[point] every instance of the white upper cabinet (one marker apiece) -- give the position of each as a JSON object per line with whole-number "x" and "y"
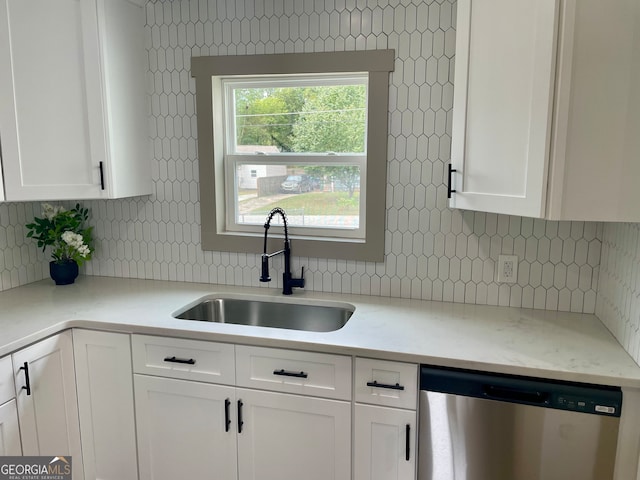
{"x": 72, "y": 90}
{"x": 547, "y": 109}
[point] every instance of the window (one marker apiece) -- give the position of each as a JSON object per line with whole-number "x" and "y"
{"x": 305, "y": 132}
{"x": 306, "y": 135}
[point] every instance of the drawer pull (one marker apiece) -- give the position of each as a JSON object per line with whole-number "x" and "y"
{"x": 375, "y": 384}
{"x": 284, "y": 373}
{"x": 27, "y": 387}
{"x": 190, "y": 361}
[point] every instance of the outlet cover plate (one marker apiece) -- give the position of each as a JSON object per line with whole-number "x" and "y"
{"x": 507, "y": 268}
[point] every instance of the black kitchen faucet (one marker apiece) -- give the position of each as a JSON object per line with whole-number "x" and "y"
{"x": 288, "y": 282}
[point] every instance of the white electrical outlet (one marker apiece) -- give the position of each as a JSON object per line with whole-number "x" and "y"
{"x": 507, "y": 268}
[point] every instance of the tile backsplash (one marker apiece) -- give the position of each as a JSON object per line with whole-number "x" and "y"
{"x": 21, "y": 262}
{"x": 431, "y": 252}
{"x": 618, "y": 304}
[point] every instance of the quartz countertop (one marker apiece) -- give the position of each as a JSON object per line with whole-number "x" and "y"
{"x": 556, "y": 345}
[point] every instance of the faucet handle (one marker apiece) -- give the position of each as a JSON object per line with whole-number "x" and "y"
{"x": 298, "y": 282}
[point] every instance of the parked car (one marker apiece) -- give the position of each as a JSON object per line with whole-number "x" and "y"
{"x": 296, "y": 184}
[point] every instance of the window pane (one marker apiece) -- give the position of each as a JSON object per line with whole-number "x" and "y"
{"x": 305, "y": 119}
{"x": 314, "y": 196}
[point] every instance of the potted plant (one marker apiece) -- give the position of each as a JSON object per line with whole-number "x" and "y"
{"x": 70, "y": 240}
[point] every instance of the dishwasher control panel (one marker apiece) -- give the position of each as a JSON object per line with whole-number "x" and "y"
{"x": 571, "y": 396}
{"x": 604, "y": 406}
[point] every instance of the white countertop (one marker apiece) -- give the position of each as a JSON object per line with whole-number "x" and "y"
{"x": 563, "y": 346}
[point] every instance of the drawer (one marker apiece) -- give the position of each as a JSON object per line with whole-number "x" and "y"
{"x": 7, "y": 389}
{"x": 391, "y": 384}
{"x": 306, "y": 373}
{"x": 180, "y": 358}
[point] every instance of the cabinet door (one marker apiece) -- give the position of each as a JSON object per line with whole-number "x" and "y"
{"x": 105, "y": 404}
{"x": 9, "y": 432}
{"x": 48, "y": 413}
{"x": 183, "y": 431}
{"x": 51, "y": 119}
{"x": 122, "y": 40}
{"x": 505, "y": 67}
{"x": 384, "y": 443}
{"x": 291, "y": 437}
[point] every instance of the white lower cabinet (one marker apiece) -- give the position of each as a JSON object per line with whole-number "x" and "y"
{"x": 156, "y": 408}
{"x": 385, "y": 445}
{"x": 105, "y": 404}
{"x": 46, "y": 398}
{"x": 9, "y": 431}
{"x": 184, "y": 429}
{"x": 290, "y": 437}
{"x": 190, "y": 428}
{"x": 385, "y": 422}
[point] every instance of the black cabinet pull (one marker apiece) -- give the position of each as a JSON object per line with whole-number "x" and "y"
{"x": 284, "y": 373}
{"x": 27, "y": 387}
{"x": 449, "y": 189}
{"x": 407, "y": 439}
{"x": 240, "y": 422}
{"x": 375, "y": 384}
{"x": 101, "y": 176}
{"x": 189, "y": 361}
{"x": 227, "y": 420}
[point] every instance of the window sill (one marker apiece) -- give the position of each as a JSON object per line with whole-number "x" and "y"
{"x": 319, "y": 247}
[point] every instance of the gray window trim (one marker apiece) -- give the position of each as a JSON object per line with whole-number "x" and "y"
{"x": 204, "y": 69}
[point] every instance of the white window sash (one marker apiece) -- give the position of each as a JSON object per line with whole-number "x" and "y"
{"x": 229, "y": 84}
{"x": 232, "y": 161}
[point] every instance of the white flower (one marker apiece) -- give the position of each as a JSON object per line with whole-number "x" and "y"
{"x": 49, "y": 211}
{"x": 76, "y": 241}
{"x": 71, "y": 238}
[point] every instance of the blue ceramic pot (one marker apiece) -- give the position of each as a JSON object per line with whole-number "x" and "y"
{"x": 63, "y": 273}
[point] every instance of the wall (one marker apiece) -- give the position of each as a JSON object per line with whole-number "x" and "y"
{"x": 618, "y": 304}
{"x": 21, "y": 262}
{"x": 432, "y": 252}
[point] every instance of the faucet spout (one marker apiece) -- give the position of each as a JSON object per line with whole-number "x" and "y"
{"x": 288, "y": 282}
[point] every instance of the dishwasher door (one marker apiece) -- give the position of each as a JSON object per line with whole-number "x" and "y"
{"x": 466, "y": 434}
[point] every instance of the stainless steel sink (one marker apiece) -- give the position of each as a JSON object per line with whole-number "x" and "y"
{"x": 260, "y": 313}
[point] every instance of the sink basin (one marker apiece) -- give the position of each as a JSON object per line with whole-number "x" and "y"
{"x": 261, "y": 313}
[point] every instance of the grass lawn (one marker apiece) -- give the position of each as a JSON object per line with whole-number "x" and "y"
{"x": 317, "y": 203}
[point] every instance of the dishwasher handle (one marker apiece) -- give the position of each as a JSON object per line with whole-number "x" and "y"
{"x": 494, "y": 392}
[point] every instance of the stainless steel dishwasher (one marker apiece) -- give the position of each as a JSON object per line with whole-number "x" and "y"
{"x": 475, "y": 426}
